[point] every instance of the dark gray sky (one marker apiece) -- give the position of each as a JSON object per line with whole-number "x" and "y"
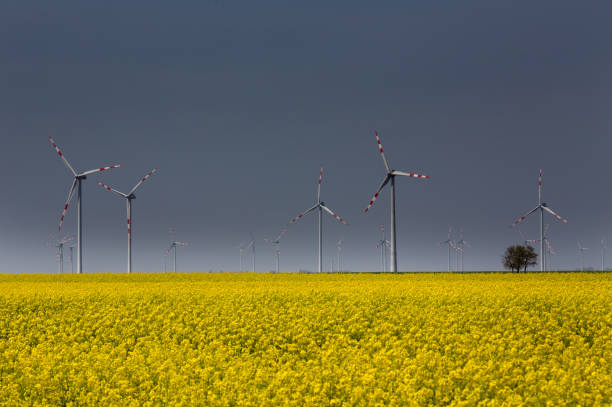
{"x": 239, "y": 102}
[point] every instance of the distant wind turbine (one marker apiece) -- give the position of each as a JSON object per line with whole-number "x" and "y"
{"x": 241, "y": 249}
{"x": 252, "y": 247}
{"x": 173, "y": 246}
{"x": 391, "y": 174}
{"x": 59, "y": 243}
{"x": 129, "y": 197}
{"x": 542, "y": 207}
{"x": 276, "y": 244}
{"x": 320, "y": 206}
{"x": 551, "y": 252}
{"x": 339, "y": 249}
{"x": 604, "y": 246}
{"x": 76, "y": 183}
{"x": 461, "y": 245}
{"x": 383, "y": 243}
{"x": 451, "y": 245}
{"x": 582, "y": 250}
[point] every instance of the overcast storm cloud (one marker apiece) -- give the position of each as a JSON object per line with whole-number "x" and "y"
{"x": 239, "y": 103}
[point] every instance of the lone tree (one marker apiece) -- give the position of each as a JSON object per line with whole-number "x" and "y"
{"x": 519, "y": 257}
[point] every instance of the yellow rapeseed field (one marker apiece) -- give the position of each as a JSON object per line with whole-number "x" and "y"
{"x": 296, "y": 339}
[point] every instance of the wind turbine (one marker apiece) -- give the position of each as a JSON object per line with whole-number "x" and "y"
{"x": 174, "y": 245}
{"x": 451, "y": 245}
{"x": 383, "y": 243}
{"x": 391, "y": 174}
{"x": 241, "y": 248}
{"x": 70, "y": 259}
{"x": 252, "y": 247}
{"x": 604, "y": 246}
{"x": 320, "y": 206}
{"x": 129, "y": 196}
{"x": 76, "y": 183}
{"x": 551, "y": 252}
{"x": 276, "y": 244}
{"x": 59, "y": 244}
{"x": 542, "y": 207}
{"x": 339, "y": 248}
{"x": 582, "y": 250}
{"x": 461, "y": 245}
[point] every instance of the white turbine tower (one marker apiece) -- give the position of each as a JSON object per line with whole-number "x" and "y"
{"x": 581, "y": 250}
{"x": 59, "y": 243}
{"x": 128, "y": 197}
{"x": 252, "y": 247}
{"x": 276, "y": 244}
{"x": 241, "y": 248}
{"x": 461, "y": 245}
{"x": 339, "y": 253}
{"x": 173, "y": 246}
{"x": 70, "y": 259}
{"x": 76, "y": 183}
{"x": 320, "y": 206}
{"x": 542, "y": 207}
{"x": 551, "y": 252}
{"x": 391, "y": 174}
{"x": 451, "y": 245}
{"x": 604, "y": 246}
{"x": 383, "y": 243}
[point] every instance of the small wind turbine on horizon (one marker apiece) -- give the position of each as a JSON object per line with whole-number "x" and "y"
{"x": 604, "y": 246}
{"x": 551, "y": 252}
{"x": 76, "y": 183}
{"x": 582, "y": 249}
{"x": 59, "y": 243}
{"x": 173, "y": 246}
{"x": 451, "y": 245}
{"x": 240, "y": 247}
{"x": 461, "y": 245}
{"x": 276, "y": 244}
{"x": 542, "y": 207}
{"x": 320, "y": 206}
{"x": 252, "y": 247}
{"x": 391, "y": 174}
{"x": 383, "y": 243}
{"x": 339, "y": 249}
{"x": 129, "y": 197}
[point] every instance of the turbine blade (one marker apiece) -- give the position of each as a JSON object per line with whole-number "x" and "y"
{"x": 550, "y": 249}
{"x": 522, "y": 218}
{"x": 521, "y": 233}
{"x": 111, "y": 189}
{"x": 547, "y": 209}
{"x": 142, "y": 180}
{"x": 62, "y": 157}
{"x": 301, "y": 215}
{"x": 281, "y": 235}
{"x": 100, "y": 169}
{"x": 338, "y": 218}
{"x": 70, "y": 195}
{"x": 319, "y": 186}
{"x": 409, "y": 174}
{"x": 382, "y": 185}
{"x": 382, "y": 153}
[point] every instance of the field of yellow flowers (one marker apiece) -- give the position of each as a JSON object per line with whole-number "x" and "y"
{"x": 297, "y": 339}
